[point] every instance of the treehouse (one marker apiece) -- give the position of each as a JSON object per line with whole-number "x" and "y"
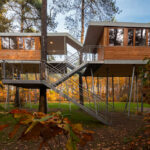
{"x": 111, "y": 49}
{"x": 23, "y": 50}
{"x": 120, "y": 46}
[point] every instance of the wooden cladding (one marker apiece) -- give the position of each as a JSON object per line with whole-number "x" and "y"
{"x": 20, "y": 51}
{"x": 20, "y": 55}
{"x": 126, "y": 52}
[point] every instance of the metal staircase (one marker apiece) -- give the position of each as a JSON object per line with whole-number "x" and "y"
{"x": 68, "y": 75}
{"x": 94, "y": 106}
{"x": 59, "y": 82}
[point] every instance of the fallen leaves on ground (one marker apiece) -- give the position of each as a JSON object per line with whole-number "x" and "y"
{"x": 50, "y": 127}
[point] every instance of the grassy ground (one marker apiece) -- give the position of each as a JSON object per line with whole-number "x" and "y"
{"x": 119, "y": 133}
{"x": 75, "y": 114}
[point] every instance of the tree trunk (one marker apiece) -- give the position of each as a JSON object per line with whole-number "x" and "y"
{"x": 82, "y": 22}
{"x": 82, "y": 40}
{"x": 17, "y": 98}
{"x": 22, "y": 17}
{"x": 42, "y": 101}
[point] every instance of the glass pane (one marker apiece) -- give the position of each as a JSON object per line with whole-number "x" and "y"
{"x": 140, "y": 37}
{"x": 5, "y": 43}
{"x": 116, "y": 37}
{"x": 13, "y": 43}
{"x": 148, "y": 37}
{"x": 32, "y": 43}
{"x": 130, "y": 37}
{"x": 29, "y": 44}
{"x": 20, "y": 43}
{"x": 119, "y": 39}
{"x": 111, "y": 37}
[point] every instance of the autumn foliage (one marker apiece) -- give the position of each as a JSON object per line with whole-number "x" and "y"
{"x": 49, "y": 126}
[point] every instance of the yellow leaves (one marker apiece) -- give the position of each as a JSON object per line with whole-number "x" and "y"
{"x": 38, "y": 115}
{"x": 69, "y": 145}
{"x": 49, "y": 126}
{"x": 30, "y": 127}
{"x": 77, "y": 127}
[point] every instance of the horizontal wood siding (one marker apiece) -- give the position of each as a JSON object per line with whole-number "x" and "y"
{"x": 126, "y": 52}
{"x": 17, "y": 54}
{"x": 20, "y": 55}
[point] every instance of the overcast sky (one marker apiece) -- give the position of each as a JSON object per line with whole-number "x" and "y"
{"x": 132, "y": 11}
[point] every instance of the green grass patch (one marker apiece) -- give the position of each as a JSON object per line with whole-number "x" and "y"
{"x": 120, "y": 106}
{"x": 74, "y": 113}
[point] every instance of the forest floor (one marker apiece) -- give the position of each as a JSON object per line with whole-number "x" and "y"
{"x": 120, "y": 135}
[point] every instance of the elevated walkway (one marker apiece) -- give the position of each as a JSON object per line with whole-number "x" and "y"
{"x": 94, "y": 101}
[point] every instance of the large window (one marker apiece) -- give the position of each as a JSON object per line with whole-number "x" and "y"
{"x": 130, "y": 37}
{"x": 18, "y": 43}
{"x": 140, "y": 37}
{"x": 9, "y": 43}
{"x": 116, "y": 37}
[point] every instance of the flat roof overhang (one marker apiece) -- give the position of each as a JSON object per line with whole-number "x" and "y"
{"x": 95, "y": 30}
{"x": 116, "y": 68}
{"x": 56, "y": 42}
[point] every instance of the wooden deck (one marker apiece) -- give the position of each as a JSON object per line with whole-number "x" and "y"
{"x": 30, "y": 84}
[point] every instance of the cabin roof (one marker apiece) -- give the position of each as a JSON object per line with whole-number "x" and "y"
{"x": 120, "y": 24}
{"x": 59, "y": 40}
{"x": 95, "y": 29}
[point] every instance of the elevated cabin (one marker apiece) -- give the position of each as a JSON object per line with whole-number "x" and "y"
{"x": 125, "y": 44}
{"x": 25, "y": 49}
{"x": 111, "y": 49}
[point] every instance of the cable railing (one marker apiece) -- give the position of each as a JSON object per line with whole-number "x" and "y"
{"x": 94, "y": 102}
{"x": 86, "y": 93}
{"x": 54, "y": 76}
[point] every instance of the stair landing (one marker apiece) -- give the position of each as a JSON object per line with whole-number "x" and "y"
{"x": 31, "y": 84}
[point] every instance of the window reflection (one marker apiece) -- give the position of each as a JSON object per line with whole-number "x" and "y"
{"x": 140, "y": 37}
{"x": 5, "y": 43}
{"x": 29, "y": 43}
{"x": 13, "y": 43}
{"x": 130, "y": 37}
{"x": 20, "y": 43}
{"x": 116, "y": 37}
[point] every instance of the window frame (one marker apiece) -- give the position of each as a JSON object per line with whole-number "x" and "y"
{"x": 17, "y": 44}
{"x": 109, "y": 36}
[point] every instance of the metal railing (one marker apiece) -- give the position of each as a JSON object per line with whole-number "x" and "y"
{"x": 11, "y": 71}
{"x": 94, "y": 102}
